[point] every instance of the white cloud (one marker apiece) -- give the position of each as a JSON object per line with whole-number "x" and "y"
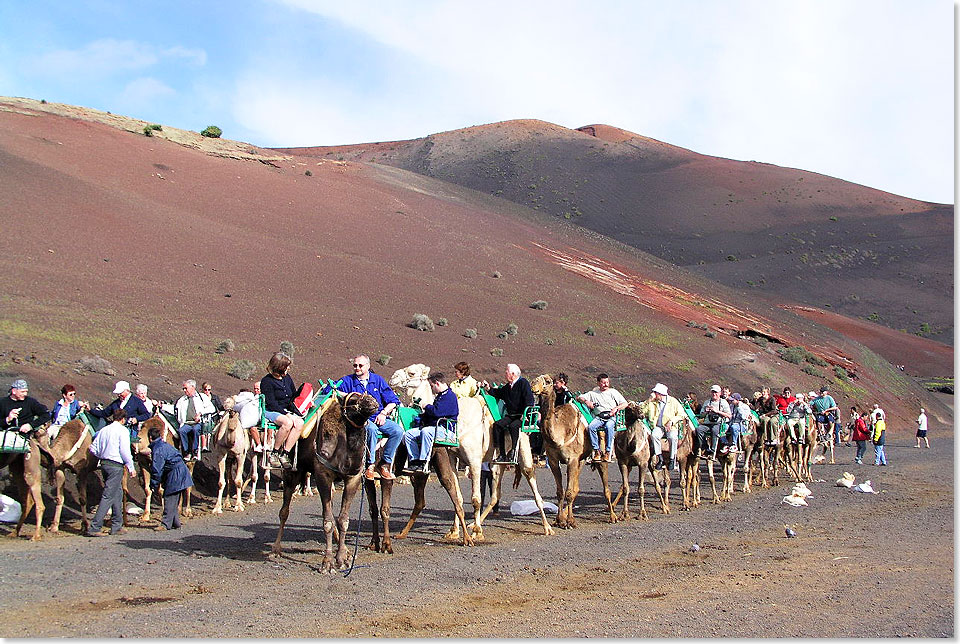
{"x": 143, "y": 92}
{"x": 860, "y": 90}
{"x": 196, "y": 57}
{"x": 110, "y": 57}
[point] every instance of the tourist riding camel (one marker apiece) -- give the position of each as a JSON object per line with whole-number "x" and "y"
{"x": 604, "y": 402}
{"x": 279, "y": 393}
{"x": 517, "y": 396}
{"x": 666, "y": 416}
{"x": 437, "y": 421}
{"x": 132, "y": 407}
{"x": 713, "y": 412}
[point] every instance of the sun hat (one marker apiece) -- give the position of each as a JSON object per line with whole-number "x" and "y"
{"x": 715, "y": 388}
{"x": 122, "y": 385}
{"x": 660, "y": 388}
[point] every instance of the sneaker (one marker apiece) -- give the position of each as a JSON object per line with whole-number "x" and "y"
{"x": 120, "y": 531}
{"x": 658, "y": 462}
{"x": 97, "y": 534}
{"x": 160, "y": 528}
{"x": 608, "y": 457}
{"x": 258, "y": 448}
{"x": 596, "y": 455}
{"x": 273, "y": 460}
{"x": 369, "y": 473}
{"x": 385, "y": 473}
{"x": 285, "y": 462}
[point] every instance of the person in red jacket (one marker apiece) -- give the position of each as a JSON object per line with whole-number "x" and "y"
{"x": 784, "y": 401}
{"x": 860, "y": 434}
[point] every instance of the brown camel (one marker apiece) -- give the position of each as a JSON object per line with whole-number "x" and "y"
{"x": 565, "y": 441}
{"x": 442, "y": 460}
{"x": 26, "y": 472}
{"x": 750, "y": 446}
{"x": 688, "y": 460}
{"x": 632, "y": 447}
{"x": 229, "y": 439}
{"x": 333, "y": 449}
{"x": 771, "y": 456}
{"x": 70, "y": 450}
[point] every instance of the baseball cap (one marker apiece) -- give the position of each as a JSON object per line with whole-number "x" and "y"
{"x": 715, "y": 388}
{"x": 824, "y": 389}
{"x": 660, "y": 388}
{"x": 19, "y": 383}
{"x": 122, "y": 385}
{"x": 737, "y": 397}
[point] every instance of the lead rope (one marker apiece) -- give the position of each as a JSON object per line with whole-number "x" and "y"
{"x": 356, "y": 538}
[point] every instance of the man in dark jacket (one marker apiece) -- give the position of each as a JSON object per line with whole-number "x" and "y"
{"x": 21, "y": 412}
{"x": 517, "y": 396}
{"x": 435, "y": 421}
{"x": 168, "y": 469}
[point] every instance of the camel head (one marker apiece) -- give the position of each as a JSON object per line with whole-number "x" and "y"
{"x": 228, "y": 403}
{"x": 541, "y": 384}
{"x": 632, "y": 413}
{"x": 357, "y": 409}
{"x": 410, "y": 376}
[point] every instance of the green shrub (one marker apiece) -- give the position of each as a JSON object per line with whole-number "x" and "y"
{"x": 384, "y": 360}
{"x": 841, "y": 373}
{"x": 442, "y": 322}
{"x": 287, "y": 347}
{"x": 242, "y": 369}
{"x": 549, "y": 342}
{"x": 421, "y": 322}
{"x": 212, "y": 132}
{"x": 308, "y": 173}
{"x": 225, "y": 346}
{"x": 512, "y": 329}
{"x": 502, "y": 335}
{"x": 497, "y": 275}
{"x": 590, "y": 331}
{"x": 470, "y": 333}
{"x": 538, "y": 305}
{"x": 496, "y": 352}
{"x": 813, "y": 371}
{"x": 148, "y": 130}
{"x": 793, "y": 355}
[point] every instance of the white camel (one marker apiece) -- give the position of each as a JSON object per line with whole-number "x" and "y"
{"x": 230, "y": 439}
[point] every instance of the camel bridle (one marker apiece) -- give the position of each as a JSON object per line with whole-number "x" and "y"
{"x": 351, "y": 404}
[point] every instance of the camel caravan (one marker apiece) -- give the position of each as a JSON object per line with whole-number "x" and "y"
{"x": 363, "y": 431}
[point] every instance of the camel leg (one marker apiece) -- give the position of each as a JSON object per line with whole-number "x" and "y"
{"x": 448, "y": 479}
{"x": 59, "y": 478}
{"x": 82, "y": 472}
{"x": 530, "y": 473}
{"x": 147, "y": 493}
{"x": 238, "y": 482}
{"x": 573, "y": 490}
{"x": 350, "y": 487}
{"x": 254, "y": 479}
{"x": 496, "y": 471}
{"x": 386, "y": 493}
{"x": 641, "y": 489}
{"x": 308, "y": 485}
{"x": 28, "y": 476}
{"x": 221, "y": 484}
{"x": 624, "y": 492}
{"x": 561, "y": 520}
{"x": 266, "y": 486}
{"x": 419, "y": 501}
{"x": 370, "y": 489}
{"x": 185, "y": 509}
{"x": 327, "y": 525}
{"x": 603, "y": 471}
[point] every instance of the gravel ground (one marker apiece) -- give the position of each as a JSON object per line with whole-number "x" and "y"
{"x": 861, "y": 566}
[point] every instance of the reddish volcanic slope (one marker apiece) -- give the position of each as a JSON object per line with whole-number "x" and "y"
{"x": 798, "y": 235}
{"x": 151, "y": 251}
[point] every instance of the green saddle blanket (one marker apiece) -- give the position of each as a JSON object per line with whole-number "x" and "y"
{"x": 13, "y": 442}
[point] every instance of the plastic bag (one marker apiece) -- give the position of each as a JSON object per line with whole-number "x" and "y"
{"x": 9, "y": 509}
{"x": 529, "y": 506}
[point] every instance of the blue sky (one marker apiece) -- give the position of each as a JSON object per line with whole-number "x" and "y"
{"x": 862, "y": 90}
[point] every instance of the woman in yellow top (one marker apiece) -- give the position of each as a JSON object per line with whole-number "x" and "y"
{"x": 879, "y": 440}
{"x": 464, "y": 385}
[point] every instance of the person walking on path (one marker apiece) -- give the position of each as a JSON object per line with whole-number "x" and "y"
{"x": 880, "y": 440}
{"x": 168, "y": 469}
{"x": 860, "y": 434}
{"x": 922, "y": 429}
{"x": 112, "y": 446}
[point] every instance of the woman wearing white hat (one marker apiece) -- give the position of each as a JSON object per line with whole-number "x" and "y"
{"x": 665, "y": 416}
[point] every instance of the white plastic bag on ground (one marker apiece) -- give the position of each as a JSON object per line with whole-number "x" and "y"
{"x": 818, "y": 459}
{"x": 529, "y": 506}
{"x": 865, "y": 488}
{"x": 801, "y": 490}
{"x": 794, "y": 500}
{"x": 134, "y": 509}
{"x": 846, "y": 480}
{"x": 9, "y": 509}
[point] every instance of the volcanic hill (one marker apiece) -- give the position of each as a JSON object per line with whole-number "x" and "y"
{"x": 798, "y": 236}
{"x": 152, "y": 252}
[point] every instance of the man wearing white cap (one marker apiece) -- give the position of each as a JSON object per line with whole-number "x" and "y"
{"x": 134, "y": 408}
{"x": 712, "y": 414}
{"x": 665, "y": 416}
{"x": 922, "y": 429}
{"x": 20, "y": 411}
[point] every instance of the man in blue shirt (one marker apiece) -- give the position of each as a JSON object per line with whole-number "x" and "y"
{"x": 827, "y": 414}
{"x": 362, "y": 380}
{"x": 419, "y": 440}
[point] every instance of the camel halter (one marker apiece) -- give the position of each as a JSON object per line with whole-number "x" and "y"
{"x": 346, "y": 405}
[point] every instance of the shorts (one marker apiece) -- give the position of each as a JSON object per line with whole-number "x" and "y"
{"x": 272, "y": 415}
{"x": 921, "y": 433}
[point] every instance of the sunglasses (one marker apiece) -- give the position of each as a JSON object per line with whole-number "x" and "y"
{"x": 358, "y": 365}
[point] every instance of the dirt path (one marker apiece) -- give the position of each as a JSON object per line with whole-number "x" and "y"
{"x": 862, "y": 565}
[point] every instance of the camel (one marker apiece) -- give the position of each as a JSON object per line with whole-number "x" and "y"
{"x": 70, "y": 450}
{"x": 688, "y": 460}
{"x": 26, "y": 472}
{"x": 565, "y": 441}
{"x": 632, "y": 447}
{"x": 771, "y": 455}
{"x": 229, "y": 439}
{"x": 749, "y": 446}
{"x": 799, "y": 455}
{"x": 333, "y": 449}
{"x": 474, "y": 435}
{"x": 411, "y": 381}
{"x": 825, "y": 433}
